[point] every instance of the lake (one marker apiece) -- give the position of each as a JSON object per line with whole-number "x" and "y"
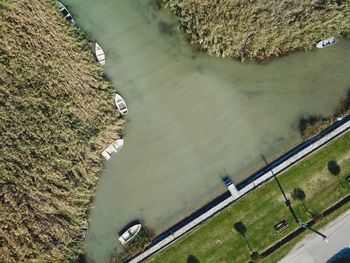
{"x": 193, "y": 118}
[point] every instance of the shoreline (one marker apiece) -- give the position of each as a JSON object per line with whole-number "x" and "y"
{"x": 196, "y": 210}
{"x": 94, "y": 164}
{"x": 278, "y": 166}
{"x": 53, "y": 133}
{"x": 243, "y": 31}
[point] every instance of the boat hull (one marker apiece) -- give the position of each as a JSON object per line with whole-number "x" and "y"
{"x": 65, "y": 13}
{"x": 112, "y": 149}
{"x": 326, "y": 43}
{"x": 129, "y": 234}
{"x": 100, "y": 54}
{"x": 121, "y": 105}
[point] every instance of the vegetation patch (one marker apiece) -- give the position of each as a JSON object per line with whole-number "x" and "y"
{"x": 242, "y": 231}
{"x": 259, "y": 30}
{"x": 312, "y": 125}
{"x": 136, "y": 245}
{"x": 56, "y": 114}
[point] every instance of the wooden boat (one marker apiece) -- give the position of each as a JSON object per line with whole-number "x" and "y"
{"x": 65, "y": 13}
{"x": 121, "y": 105}
{"x": 129, "y": 234}
{"x": 100, "y": 54}
{"x": 327, "y": 42}
{"x": 85, "y": 228}
{"x": 112, "y": 149}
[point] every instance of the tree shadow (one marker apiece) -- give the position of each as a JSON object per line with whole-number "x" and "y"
{"x": 242, "y": 230}
{"x": 192, "y": 259}
{"x": 334, "y": 169}
{"x": 298, "y": 194}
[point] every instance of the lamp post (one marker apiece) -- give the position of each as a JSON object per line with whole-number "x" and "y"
{"x": 304, "y": 225}
{"x": 289, "y": 205}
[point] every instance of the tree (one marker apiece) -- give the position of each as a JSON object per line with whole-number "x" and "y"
{"x": 334, "y": 169}
{"x": 192, "y": 259}
{"x": 242, "y": 230}
{"x": 299, "y": 194}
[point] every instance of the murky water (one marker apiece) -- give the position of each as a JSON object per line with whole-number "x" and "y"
{"x": 193, "y": 118}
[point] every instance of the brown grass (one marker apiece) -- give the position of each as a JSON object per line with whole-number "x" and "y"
{"x": 258, "y": 30}
{"x": 56, "y": 114}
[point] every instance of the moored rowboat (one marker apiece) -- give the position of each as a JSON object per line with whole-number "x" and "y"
{"x": 100, "y": 54}
{"x": 129, "y": 234}
{"x": 327, "y": 42}
{"x": 121, "y": 105}
{"x": 65, "y": 13}
{"x": 112, "y": 149}
{"x": 85, "y": 229}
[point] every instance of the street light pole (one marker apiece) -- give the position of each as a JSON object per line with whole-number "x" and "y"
{"x": 287, "y": 202}
{"x": 289, "y": 205}
{"x": 304, "y": 225}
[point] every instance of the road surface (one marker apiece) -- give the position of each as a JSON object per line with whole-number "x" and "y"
{"x": 312, "y": 249}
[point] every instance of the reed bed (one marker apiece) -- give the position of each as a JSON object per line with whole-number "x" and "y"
{"x": 56, "y": 114}
{"x": 260, "y": 30}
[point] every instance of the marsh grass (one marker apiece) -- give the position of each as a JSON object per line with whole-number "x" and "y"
{"x": 260, "y": 210}
{"x": 5, "y": 4}
{"x": 259, "y": 30}
{"x": 56, "y": 114}
{"x": 312, "y": 125}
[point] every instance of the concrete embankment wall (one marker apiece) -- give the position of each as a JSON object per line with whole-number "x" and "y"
{"x": 276, "y": 167}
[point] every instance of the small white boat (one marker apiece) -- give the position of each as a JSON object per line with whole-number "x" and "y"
{"x": 327, "y": 42}
{"x": 129, "y": 234}
{"x": 121, "y": 105}
{"x": 65, "y": 13}
{"x": 85, "y": 228}
{"x": 100, "y": 54}
{"x": 112, "y": 149}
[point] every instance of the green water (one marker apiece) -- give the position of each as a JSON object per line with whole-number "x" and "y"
{"x": 193, "y": 118}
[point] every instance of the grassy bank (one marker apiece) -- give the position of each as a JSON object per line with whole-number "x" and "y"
{"x": 217, "y": 241}
{"x": 260, "y": 29}
{"x": 56, "y": 114}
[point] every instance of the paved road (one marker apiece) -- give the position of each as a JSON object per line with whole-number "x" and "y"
{"x": 313, "y": 249}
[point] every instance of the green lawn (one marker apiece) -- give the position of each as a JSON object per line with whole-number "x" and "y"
{"x": 217, "y": 241}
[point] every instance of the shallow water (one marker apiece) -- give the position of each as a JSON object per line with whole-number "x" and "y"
{"x": 193, "y": 118}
